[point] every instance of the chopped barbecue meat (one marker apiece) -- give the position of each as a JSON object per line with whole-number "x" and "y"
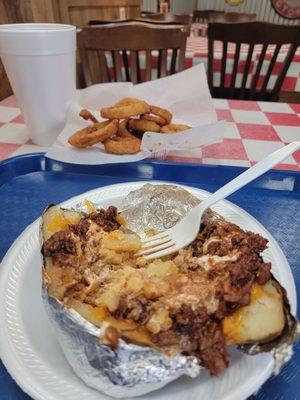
{"x": 212, "y": 348}
{"x": 218, "y": 248}
{"x": 238, "y": 239}
{"x": 106, "y": 219}
{"x": 61, "y": 242}
{"x": 263, "y": 273}
{"x": 206, "y": 340}
{"x": 81, "y": 228}
{"x": 249, "y": 239}
{"x": 165, "y": 339}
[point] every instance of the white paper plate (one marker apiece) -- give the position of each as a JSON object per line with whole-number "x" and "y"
{"x": 32, "y": 355}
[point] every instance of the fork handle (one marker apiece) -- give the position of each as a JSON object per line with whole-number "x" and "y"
{"x": 250, "y": 174}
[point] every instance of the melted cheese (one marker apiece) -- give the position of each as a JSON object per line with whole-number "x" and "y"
{"x": 121, "y": 241}
{"x": 58, "y": 223}
{"x": 89, "y": 205}
{"x": 121, "y": 220}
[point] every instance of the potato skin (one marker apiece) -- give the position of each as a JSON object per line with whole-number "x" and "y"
{"x": 259, "y": 321}
{"x": 288, "y": 335}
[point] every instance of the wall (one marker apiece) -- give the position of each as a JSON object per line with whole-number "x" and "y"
{"x": 262, "y": 8}
{"x": 149, "y": 5}
{"x": 183, "y": 7}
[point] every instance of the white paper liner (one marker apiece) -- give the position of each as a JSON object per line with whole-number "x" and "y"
{"x": 185, "y": 94}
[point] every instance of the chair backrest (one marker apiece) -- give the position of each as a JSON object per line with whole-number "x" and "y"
{"x": 97, "y": 22}
{"x": 185, "y": 19}
{"x": 231, "y": 17}
{"x": 203, "y": 15}
{"x": 253, "y": 34}
{"x": 146, "y": 13}
{"x": 115, "y": 52}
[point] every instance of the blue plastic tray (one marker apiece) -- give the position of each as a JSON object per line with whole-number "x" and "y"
{"x": 29, "y": 183}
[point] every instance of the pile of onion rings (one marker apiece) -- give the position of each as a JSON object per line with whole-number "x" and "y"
{"x": 124, "y": 126}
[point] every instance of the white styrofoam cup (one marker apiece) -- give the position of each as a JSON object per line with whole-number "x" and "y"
{"x": 40, "y": 62}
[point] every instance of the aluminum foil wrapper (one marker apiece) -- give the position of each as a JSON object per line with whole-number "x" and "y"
{"x": 131, "y": 370}
{"x": 159, "y": 207}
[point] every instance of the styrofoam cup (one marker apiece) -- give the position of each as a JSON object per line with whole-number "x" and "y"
{"x": 40, "y": 62}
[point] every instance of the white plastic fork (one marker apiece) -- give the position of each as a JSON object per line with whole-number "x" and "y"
{"x": 183, "y": 233}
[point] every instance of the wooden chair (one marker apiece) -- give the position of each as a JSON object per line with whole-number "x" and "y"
{"x": 144, "y": 14}
{"x": 126, "y": 21}
{"x": 127, "y": 44}
{"x": 231, "y": 17}
{"x": 251, "y": 33}
{"x": 184, "y": 19}
{"x": 203, "y": 15}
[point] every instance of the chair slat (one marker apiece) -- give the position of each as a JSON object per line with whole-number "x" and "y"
{"x": 270, "y": 68}
{"x": 138, "y": 67}
{"x": 284, "y": 70}
{"x": 257, "y": 71}
{"x": 126, "y": 65}
{"x": 223, "y": 65}
{"x": 159, "y": 64}
{"x": 210, "y": 70}
{"x": 163, "y": 68}
{"x": 85, "y": 66}
{"x": 117, "y": 65}
{"x": 235, "y": 67}
{"x": 94, "y": 67}
{"x": 103, "y": 66}
{"x": 148, "y": 65}
{"x": 181, "y": 59}
{"x": 133, "y": 67}
{"x": 246, "y": 70}
{"x": 173, "y": 61}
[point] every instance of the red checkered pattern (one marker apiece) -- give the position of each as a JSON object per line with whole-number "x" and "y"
{"x": 197, "y": 51}
{"x": 291, "y": 81}
{"x": 254, "y": 130}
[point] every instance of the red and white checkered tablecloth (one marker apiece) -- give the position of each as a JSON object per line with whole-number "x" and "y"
{"x": 255, "y": 129}
{"x": 197, "y": 52}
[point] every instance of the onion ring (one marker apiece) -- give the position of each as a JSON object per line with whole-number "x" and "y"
{"x": 141, "y": 126}
{"x": 87, "y": 115}
{"x": 162, "y": 112}
{"x": 154, "y": 118}
{"x": 125, "y": 111}
{"x": 93, "y": 134}
{"x": 123, "y": 131}
{"x": 174, "y": 128}
{"x": 126, "y": 101}
{"x": 122, "y": 145}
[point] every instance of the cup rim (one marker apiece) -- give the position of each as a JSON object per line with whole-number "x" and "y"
{"x": 24, "y": 28}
